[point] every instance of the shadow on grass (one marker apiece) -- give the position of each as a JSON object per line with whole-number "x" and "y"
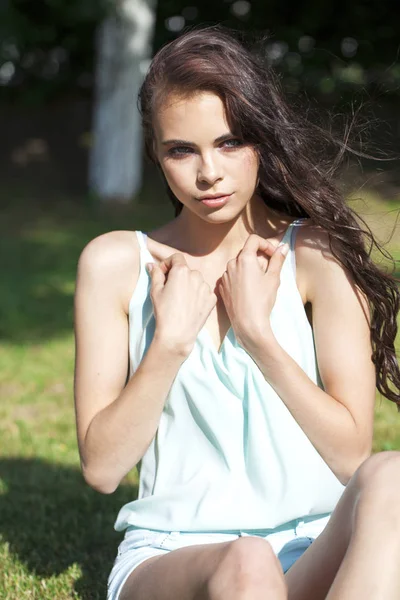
{"x": 52, "y": 519}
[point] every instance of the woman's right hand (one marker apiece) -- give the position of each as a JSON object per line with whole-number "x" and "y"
{"x": 182, "y": 301}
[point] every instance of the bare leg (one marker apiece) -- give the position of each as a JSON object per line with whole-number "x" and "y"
{"x": 245, "y": 569}
{"x": 357, "y": 554}
{"x": 370, "y": 567}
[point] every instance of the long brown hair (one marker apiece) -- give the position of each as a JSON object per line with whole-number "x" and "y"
{"x": 293, "y": 179}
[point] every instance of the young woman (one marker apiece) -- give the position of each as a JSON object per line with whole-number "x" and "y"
{"x": 233, "y": 354}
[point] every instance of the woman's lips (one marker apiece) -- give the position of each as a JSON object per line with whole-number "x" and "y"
{"x": 216, "y": 202}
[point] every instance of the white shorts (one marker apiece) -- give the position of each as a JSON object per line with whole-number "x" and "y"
{"x": 140, "y": 544}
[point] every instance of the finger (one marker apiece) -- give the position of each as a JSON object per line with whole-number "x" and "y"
{"x": 175, "y": 259}
{"x": 256, "y": 243}
{"x": 277, "y": 259}
{"x": 258, "y": 248}
{"x": 220, "y": 287}
{"x": 157, "y": 276}
{"x": 230, "y": 265}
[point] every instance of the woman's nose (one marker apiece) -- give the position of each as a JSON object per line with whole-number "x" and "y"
{"x": 209, "y": 171}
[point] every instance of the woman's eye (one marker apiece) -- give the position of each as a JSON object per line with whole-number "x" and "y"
{"x": 233, "y": 143}
{"x": 179, "y": 151}
{"x": 182, "y": 151}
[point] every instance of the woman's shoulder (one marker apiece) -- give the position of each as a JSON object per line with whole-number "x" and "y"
{"x": 315, "y": 261}
{"x": 112, "y": 246}
{"x": 111, "y": 259}
{"x": 313, "y": 242}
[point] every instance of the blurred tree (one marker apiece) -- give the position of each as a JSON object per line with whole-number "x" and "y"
{"x": 123, "y": 52}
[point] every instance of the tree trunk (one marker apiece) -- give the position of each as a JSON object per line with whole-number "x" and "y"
{"x": 123, "y": 55}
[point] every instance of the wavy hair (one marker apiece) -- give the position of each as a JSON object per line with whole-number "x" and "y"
{"x": 293, "y": 177}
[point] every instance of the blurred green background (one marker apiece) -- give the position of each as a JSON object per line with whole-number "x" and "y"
{"x": 56, "y": 534}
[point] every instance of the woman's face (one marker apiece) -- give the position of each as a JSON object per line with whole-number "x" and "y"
{"x": 200, "y": 156}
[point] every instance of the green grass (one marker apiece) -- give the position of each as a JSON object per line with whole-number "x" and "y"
{"x": 56, "y": 534}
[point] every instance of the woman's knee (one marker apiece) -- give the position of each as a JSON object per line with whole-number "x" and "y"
{"x": 380, "y": 471}
{"x": 248, "y": 563}
{"x": 377, "y": 483}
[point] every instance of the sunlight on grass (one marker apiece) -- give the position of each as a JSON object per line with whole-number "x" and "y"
{"x": 17, "y": 582}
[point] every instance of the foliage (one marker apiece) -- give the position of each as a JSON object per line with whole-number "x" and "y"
{"x": 48, "y": 45}
{"x": 326, "y": 47}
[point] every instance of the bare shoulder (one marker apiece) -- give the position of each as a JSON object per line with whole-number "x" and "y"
{"x": 108, "y": 249}
{"x": 308, "y": 241}
{"x": 318, "y": 268}
{"x": 111, "y": 259}
{"x": 312, "y": 241}
{"x": 313, "y": 255}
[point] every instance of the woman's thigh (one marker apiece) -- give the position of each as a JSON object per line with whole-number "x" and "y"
{"x": 182, "y": 573}
{"x": 201, "y": 571}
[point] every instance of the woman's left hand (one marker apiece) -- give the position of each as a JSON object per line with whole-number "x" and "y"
{"x": 249, "y": 287}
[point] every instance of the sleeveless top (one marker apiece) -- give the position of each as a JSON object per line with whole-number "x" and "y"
{"x": 228, "y": 455}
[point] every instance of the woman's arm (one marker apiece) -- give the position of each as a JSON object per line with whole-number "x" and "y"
{"x": 115, "y": 424}
{"x": 339, "y": 420}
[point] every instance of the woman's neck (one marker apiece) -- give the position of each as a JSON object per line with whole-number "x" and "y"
{"x": 201, "y": 238}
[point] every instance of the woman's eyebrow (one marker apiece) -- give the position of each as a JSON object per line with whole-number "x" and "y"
{"x": 218, "y": 140}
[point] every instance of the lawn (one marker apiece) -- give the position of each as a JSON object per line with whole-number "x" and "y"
{"x": 56, "y": 534}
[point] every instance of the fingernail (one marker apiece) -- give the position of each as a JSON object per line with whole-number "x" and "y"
{"x": 149, "y": 267}
{"x": 284, "y": 249}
